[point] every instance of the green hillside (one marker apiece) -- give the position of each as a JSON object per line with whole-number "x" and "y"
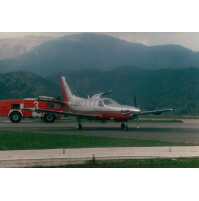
{"x": 166, "y": 88}
{"x": 23, "y": 84}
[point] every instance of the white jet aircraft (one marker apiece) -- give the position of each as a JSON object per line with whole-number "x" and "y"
{"x": 94, "y": 108}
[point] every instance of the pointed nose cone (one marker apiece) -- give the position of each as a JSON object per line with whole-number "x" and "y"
{"x": 134, "y": 110}
{"x": 131, "y": 109}
{"x": 137, "y": 110}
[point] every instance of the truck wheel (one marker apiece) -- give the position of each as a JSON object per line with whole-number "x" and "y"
{"x": 49, "y": 118}
{"x": 15, "y": 117}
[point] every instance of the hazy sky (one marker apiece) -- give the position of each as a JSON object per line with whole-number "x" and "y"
{"x": 186, "y": 39}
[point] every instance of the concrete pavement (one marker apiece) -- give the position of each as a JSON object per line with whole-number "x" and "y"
{"x": 57, "y": 157}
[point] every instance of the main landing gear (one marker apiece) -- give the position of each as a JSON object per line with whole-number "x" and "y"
{"x": 124, "y": 126}
{"x": 78, "y": 125}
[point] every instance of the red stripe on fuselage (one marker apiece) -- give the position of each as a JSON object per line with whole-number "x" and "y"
{"x": 103, "y": 116}
{"x": 115, "y": 116}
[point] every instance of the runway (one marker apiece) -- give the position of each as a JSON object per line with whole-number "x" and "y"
{"x": 174, "y": 132}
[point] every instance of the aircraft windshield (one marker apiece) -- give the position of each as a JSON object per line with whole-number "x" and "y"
{"x": 109, "y": 102}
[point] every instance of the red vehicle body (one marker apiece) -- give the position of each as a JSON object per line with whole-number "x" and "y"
{"x": 13, "y": 109}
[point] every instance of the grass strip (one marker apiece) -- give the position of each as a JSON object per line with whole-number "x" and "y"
{"x": 145, "y": 163}
{"x": 27, "y": 141}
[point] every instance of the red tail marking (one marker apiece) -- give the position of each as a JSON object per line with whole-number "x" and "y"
{"x": 63, "y": 90}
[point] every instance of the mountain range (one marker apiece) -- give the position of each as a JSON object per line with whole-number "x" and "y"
{"x": 12, "y": 47}
{"x": 96, "y": 51}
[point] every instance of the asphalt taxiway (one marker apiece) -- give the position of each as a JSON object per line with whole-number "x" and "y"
{"x": 173, "y": 132}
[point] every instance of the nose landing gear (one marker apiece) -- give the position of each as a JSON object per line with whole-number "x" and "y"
{"x": 137, "y": 123}
{"x": 126, "y": 128}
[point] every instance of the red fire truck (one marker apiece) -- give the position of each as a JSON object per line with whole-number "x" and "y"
{"x": 13, "y": 109}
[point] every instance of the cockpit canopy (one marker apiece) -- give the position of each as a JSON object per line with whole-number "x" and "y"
{"x": 107, "y": 101}
{"x": 110, "y": 102}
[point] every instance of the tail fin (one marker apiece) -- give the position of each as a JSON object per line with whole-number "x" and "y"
{"x": 68, "y": 95}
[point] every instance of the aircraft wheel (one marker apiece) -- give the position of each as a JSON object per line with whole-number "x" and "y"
{"x": 15, "y": 117}
{"x": 49, "y": 118}
{"x": 126, "y": 128}
{"x": 122, "y": 125}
